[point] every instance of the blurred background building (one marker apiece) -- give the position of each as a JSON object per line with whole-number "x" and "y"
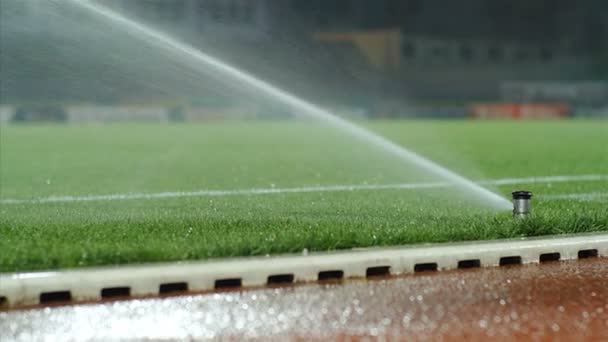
{"x": 435, "y": 57}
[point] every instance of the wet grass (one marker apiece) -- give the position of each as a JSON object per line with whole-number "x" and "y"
{"x": 40, "y": 161}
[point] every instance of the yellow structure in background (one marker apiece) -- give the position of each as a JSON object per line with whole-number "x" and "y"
{"x": 380, "y": 47}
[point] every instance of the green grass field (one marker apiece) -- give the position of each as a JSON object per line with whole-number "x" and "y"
{"x": 40, "y": 161}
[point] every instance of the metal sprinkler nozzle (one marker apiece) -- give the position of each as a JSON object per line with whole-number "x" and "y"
{"x": 521, "y": 203}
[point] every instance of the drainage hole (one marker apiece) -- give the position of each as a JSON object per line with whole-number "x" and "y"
{"x": 228, "y": 283}
{"x": 330, "y": 275}
{"x": 172, "y": 287}
{"x": 280, "y": 279}
{"x": 510, "y": 260}
{"x": 111, "y": 292}
{"x": 587, "y": 253}
{"x": 549, "y": 257}
{"x": 55, "y": 297}
{"x": 472, "y": 263}
{"x": 378, "y": 271}
{"x": 3, "y": 301}
{"x": 431, "y": 266}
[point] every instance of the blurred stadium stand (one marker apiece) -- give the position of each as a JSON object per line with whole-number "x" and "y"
{"x": 385, "y": 58}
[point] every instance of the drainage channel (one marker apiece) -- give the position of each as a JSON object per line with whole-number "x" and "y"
{"x": 90, "y": 284}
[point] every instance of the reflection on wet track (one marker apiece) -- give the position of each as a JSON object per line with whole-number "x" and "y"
{"x": 554, "y": 299}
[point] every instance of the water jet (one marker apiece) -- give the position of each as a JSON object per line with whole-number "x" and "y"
{"x": 207, "y": 64}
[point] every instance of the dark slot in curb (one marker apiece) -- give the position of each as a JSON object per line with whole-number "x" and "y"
{"x": 547, "y": 257}
{"x": 472, "y": 263}
{"x": 3, "y": 301}
{"x": 431, "y": 266}
{"x": 112, "y": 292}
{"x": 378, "y": 271}
{"x": 510, "y": 260}
{"x": 172, "y": 287}
{"x": 587, "y": 253}
{"x": 55, "y": 297}
{"x": 331, "y": 275}
{"x": 228, "y": 283}
{"x": 280, "y": 279}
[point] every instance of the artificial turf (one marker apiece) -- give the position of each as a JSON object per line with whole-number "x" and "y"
{"x": 38, "y": 161}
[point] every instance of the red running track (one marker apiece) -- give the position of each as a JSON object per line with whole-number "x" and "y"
{"x": 552, "y": 301}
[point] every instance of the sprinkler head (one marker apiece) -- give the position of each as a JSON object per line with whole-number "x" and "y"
{"x": 521, "y": 203}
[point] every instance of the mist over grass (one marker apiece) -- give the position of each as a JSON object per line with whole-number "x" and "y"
{"x": 39, "y": 161}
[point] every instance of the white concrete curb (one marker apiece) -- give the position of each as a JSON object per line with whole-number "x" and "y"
{"x": 85, "y": 284}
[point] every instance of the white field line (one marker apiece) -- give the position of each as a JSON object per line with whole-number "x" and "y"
{"x": 331, "y": 188}
{"x": 590, "y": 196}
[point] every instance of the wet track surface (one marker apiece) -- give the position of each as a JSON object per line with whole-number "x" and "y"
{"x": 556, "y": 300}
